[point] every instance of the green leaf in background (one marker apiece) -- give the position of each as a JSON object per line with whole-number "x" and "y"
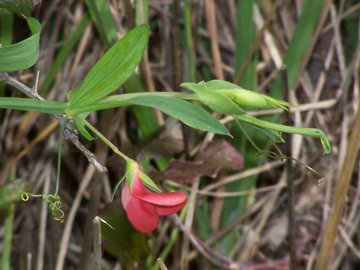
{"x": 24, "y": 54}
{"x": 186, "y": 112}
{"x": 10, "y": 192}
{"x": 299, "y": 44}
{"x": 6, "y": 26}
{"x": 63, "y": 54}
{"x": 245, "y": 40}
{"x": 103, "y": 20}
{"x": 6, "y": 29}
{"x": 123, "y": 242}
{"x": 32, "y": 105}
{"x": 145, "y": 116}
{"x": 106, "y": 27}
{"x": 113, "y": 68}
{"x": 19, "y": 7}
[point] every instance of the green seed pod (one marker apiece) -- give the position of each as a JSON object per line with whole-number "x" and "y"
{"x": 246, "y": 98}
{"x": 217, "y": 101}
{"x": 250, "y": 99}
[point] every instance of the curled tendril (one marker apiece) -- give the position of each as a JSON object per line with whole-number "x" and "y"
{"x": 55, "y": 206}
{"x": 53, "y": 201}
{"x": 24, "y": 196}
{"x": 280, "y": 156}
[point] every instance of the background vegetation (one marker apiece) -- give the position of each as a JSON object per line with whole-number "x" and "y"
{"x": 237, "y": 211}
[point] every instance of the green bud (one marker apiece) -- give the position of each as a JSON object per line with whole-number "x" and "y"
{"x": 132, "y": 171}
{"x": 231, "y": 99}
{"x": 246, "y": 98}
{"x": 250, "y": 99}
{"x": 216, "y": 101}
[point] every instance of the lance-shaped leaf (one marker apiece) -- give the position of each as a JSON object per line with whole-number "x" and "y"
{"x": 103, "y": 20}
{"x": 23, "y": 54}
{"x": 113, "y": 68}
{"x": 32, "y": 105}
{"x": 190, "y": 114}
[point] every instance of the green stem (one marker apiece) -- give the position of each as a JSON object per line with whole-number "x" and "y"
{"x": 60, "y": 144}
{"x": 189, "y": 41}
{"x": 173, "y": 237}
{"x": 8, "y": 232}
{"x": 8, "y": 226}
{"x": 106, "y": 141}
{"x": 313, "y": 132}
{"x": 122, "y": 100}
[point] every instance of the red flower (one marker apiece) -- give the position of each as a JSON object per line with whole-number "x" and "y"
{"x": 143, "y": 207}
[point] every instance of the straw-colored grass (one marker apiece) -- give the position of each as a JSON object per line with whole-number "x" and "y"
{"x": 235, "y": 220}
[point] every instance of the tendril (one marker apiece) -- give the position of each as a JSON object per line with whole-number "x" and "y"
{"x": 277, "y": 154}
{"x": 51, "y": 199}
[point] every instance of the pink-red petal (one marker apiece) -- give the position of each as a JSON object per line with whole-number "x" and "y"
{"x": 143, "y": 216}
{"x": 125, "y": 195}
{"x": 169, "y": 210}
{"x": 168, "y": 199}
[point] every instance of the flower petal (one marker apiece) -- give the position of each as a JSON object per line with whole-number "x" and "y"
{"x": 168, "y": 199}
{"x": 125, "y": 195}
{"x": 168, "y": 210}
{"x": 142, "y": 215}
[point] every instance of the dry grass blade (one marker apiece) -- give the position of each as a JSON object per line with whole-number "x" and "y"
{"x": 212, "y": 28}
{"x": 341, "y": 190}
{"x": 97, "y": 243}
{"x": 189, "y": 41}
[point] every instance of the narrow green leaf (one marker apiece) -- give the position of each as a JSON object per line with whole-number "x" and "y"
{"x": 19, "y": 7}
{"x": 186, "y": 112}
{"x": 106, "y": 27}
{"x": 82, "y": 129}
{"x": 113, "y": 68}
{"x": 32, "y": 105}
{"x": 23, "y": 54}
{"x": 299, "y": 44}
{"x": 245, "y": 41}
{"x": 6, "y": 29}
{"x": 69, "y": 44}
{"x": 103, "y": 20}
{"x": 189, "y": 41}
{"x": 145, "y": 116}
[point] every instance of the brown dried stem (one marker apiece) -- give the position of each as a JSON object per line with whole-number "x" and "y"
{"x": 70, "y": 132}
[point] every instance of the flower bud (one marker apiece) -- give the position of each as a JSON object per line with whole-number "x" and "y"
{"x": 250, "y": 99}
{"x": 143, "y": 207}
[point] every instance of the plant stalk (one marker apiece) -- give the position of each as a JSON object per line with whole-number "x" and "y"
{"x": 106, "y": 141}
{"x": 290, "y": 183}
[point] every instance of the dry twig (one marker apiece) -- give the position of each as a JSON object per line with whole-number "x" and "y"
{"x": 70, "y": 132}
